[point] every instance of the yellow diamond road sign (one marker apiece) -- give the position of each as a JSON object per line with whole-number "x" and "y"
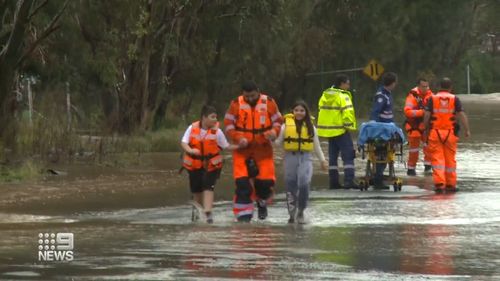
{"x": 373, "y": 70}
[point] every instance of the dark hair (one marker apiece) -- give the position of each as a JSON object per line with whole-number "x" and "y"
{"x": 421, "y": 79}
{"x": 445, "y": 83}
{"x": 249, "y": 86}
{"x": 207, "y": 110}
{"x": 307, "y": 118}
{"x": 339, "y": 79}
{"x": 388, "y": 78}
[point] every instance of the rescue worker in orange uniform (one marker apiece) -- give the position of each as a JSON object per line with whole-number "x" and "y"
{"x": 252, "y": 121}
{"x": 441, "y": 127}
{"x": 414, "y": 111}
{"x": 202, "y": 142}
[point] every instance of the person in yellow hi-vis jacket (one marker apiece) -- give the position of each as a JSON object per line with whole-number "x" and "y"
{"x": 336, "y": 118}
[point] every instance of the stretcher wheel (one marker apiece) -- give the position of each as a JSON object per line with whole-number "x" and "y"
{"x": 363, "y": 184}
{"x": 398, "y": 184}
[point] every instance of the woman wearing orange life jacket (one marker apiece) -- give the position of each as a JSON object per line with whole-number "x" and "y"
{"x": 202, "y": 143}
{"x": 414, "y": 111}
{"x": 441, "y": 128}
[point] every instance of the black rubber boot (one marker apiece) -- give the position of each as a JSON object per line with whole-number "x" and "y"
{"x": 411, "y": 172}
{"x": 262, "y": 209}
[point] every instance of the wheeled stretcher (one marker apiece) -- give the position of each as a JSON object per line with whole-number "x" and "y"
{"x": 380, "y": 143}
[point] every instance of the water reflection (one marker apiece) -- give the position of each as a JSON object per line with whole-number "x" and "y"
{"x": 412, "y": 235}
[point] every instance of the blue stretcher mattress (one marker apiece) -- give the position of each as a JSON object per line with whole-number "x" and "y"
{"x": 378, "y": 130}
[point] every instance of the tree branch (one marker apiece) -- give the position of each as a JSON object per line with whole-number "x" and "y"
{"x": 18, "y": 28}
{"x": 48, "y": 30}
{"x": 33, "y": 46}
{"x": 35, "y": 11}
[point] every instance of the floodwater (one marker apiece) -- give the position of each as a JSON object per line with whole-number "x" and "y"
{"x": 135, "y": 225}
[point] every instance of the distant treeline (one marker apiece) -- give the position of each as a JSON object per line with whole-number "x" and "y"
{"x": 138, "y": 65}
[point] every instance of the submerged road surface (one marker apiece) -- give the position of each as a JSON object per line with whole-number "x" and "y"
{"x": 350, "y": 235}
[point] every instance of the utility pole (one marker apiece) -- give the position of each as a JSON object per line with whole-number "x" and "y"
{"x": 68, "y": 105}
{"x": 30, "y": 101}
{"x": 468, "y": 79}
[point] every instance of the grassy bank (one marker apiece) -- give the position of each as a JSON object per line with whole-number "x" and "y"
{"x": 38, "y": 148}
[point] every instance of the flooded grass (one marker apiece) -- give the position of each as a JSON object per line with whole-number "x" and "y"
{"x": 27, "y": 170}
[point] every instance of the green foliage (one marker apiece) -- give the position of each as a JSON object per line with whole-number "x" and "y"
{"x": 27, "y": 170}
{"x": 137, "y": 66}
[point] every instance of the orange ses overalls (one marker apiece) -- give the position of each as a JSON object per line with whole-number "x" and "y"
{"x": 414, "y": 126}
{"x": 252, "y": 123}
{"x": 443, "y": 141}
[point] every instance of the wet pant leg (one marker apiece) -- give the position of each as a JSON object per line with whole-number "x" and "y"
{"x": 436, "y": 147}
{"x": 414, "y": 147}
{"x": 427, "y": 153}
{"x": 291, "y": 181}
{"x": 242, "y": 202}
{"x": 450, "y": 150}
{"x": 378, "y": 179}
{"x": 333, "y": 155}
{"x": 347, "y": 154}
{"x": 304, "y": 175}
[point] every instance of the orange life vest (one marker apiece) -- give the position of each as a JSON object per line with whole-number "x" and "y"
{"x": 443, "y": 111}
{"x": 253, "y": 122}
{"x": 210, "y": 158}
{"x": 414, "y": 110}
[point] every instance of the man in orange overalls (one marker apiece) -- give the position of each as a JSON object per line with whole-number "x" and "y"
{"x": 414, "y": 126}
{"x": 441, "y": 128}
{"x": 252, "y": 121}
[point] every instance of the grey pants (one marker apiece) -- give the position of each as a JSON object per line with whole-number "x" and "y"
{"x": 298, "y": 174}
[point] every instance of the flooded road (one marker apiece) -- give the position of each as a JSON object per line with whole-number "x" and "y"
{"x": 136, "y": 225}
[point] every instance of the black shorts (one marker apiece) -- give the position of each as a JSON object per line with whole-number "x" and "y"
{"x": 200, "y": 180}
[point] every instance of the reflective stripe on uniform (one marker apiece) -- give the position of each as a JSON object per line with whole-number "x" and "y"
{"x": 444, "y": 110}
{"x": 438, "y": 167}
{"x": 386, "y": 116}
{"x": 242, "y": 206}
{"x": 329, "y": 127}
{"x": 230, "y": 116}
{"x": 450, "y": 170}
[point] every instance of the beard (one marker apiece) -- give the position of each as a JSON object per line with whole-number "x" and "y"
{"x": 253, "y": 103}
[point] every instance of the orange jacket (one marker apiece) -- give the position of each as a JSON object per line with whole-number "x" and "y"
{"x": 210, "y": 158}
{"x": 443, "y": 111}
{"x": 252, "y": 123}
{"x": 414, "y": 110}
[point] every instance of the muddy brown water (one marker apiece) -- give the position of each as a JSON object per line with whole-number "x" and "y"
{"x": 134, "y": 224}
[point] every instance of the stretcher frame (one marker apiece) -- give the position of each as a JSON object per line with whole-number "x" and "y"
{"x": 381, "y": 151}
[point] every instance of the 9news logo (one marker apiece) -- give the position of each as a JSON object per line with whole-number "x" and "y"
{"x": 55, "y": 246}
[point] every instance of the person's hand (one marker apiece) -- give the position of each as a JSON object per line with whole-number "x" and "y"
{"x": 270, "y": 135}
{"x": 195, "y": 151}
{"x": 232, "y": 147}
{"x": 467, "y": 133}
{"x": 243, "y": 143}
{"x": 324, "y": 165}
